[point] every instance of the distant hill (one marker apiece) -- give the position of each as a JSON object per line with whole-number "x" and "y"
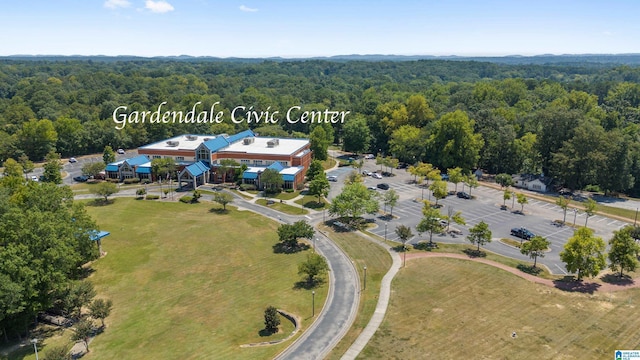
{"x": 604, "y": 59}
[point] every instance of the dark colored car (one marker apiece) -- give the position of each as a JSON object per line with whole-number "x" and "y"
{"x": 463, "y": 195}
{"x": 81, "y": 178}
{"x": 383, "y": 186}
{"x": 522, "y": 233}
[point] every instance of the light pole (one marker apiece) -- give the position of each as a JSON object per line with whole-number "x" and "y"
{"x": 365, "y": 278}
{"x": 575, "y": 214}
{"x": 636, "y": 219}
{"x": 314, "y": 243}
{"x": 313, "y": 303}
{"x": 323, "y": 218}
{"x": 35, "y": 346}
{"x": 513, "y": 199}
{"x": 385, "y": 231}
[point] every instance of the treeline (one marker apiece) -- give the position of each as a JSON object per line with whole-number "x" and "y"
{"x": 575, "y": 122}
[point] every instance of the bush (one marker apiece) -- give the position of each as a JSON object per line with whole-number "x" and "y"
{"x": 141, "y": 192}
{"x": 115, "y": 181}
{"x": 146, "y": 181}
{"x": 245, "y": 187}
{"x": 186, "y": 199}
{"x": 152, "y": 197}
{"x": 132, "y": 181}
{"x": 271, "y": 319}
{"x": 592, "y": 188}
{"x": 289, "y": 190}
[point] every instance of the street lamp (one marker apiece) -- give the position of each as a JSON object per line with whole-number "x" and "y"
{"x": 314, "y": 243}
{"x": 35, "y": 346}
{"x": 313, "y": 303}
{"x": 513, "y": 199}
{"x": 636, "y": 219}
{"x": 385, "y": 231}
{"x": 575, "y": 214}
{"x": 323, "y": 218}
{"x": 365, "y": 278}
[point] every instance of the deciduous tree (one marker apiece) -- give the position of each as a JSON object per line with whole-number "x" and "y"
{"x": 584, "y": 253}
{"x": 623, "y": 251}
{"x": 105, "y": 189}
{"x": 315, "y": 266}
{"x": 479, "y": 234}
{"x": 535, "y": 247}
{"x": 223, "y": 198}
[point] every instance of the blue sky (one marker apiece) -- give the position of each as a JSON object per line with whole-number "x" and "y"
{"x": 260, "y": 28}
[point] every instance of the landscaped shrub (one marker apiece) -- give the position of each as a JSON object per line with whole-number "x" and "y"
{"x": 245, "y": 187}
{"x": 132, "y": 181}
{"x": 289, "y": 190}
{"x": 186, "y": 199}
{"x": 115, "y": 181}
{"x": 152, "y": 197}
{"x": 146, "y": 181}
{"x": 140, "y": 192}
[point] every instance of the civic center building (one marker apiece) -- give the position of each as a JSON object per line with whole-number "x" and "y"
{"x": 198, "y": 158}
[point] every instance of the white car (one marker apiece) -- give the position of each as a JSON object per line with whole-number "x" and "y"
{"x": 34, "y": 178}
{"x": 376, "y": 175}
{"x": 120, "y": 151}
{"x": 72, "y": 160}
{"x": 366, "y": 173}
{"x": 332, "y": 178}
{"x": 369, "y": 156}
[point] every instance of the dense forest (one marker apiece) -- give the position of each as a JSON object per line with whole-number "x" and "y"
{"x": 575, "y": 122}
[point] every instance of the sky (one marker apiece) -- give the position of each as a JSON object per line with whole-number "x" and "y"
{"x": 294, "y": 29}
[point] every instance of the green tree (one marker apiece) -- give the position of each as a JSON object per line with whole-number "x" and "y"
{"x": 271, "y": 319}
{"x": 226, "y": 165}
{"x": 455, "y": 216}
{"x": 223, "y": 198}
{"x": 12, "y": 175}
{"x": 83, "y": 331}
{"x": 472, "y": 182}
{"x": 390, "y": 198}
{"x": 315, "y": 266}
{"x": 506, "y": 196}
{"x": 439, "y": 190}
{"x": 108, "y": 155}
{"x": 623, "y": 251}
{"x": 404, "y": 233}
{"x": 271, "y": 181}
{"x": 455, "y": 176}
{"x": 37, "y": 138}
{"x": 315, "y": 169}
{"x": 479, "y": 234}
{"x": 354, "y": 201}
{"x": 93, "y": 168}
{"x": 535, "y": 248}
{"x": 504, "y": 180}
{"x": 319, "y": 143}
{"x": 76, "y": 295}
{"x": 319, "y": 187}
{"x": 356, "y": 135}
{"x": 584, "y": 253}
{"x": 52, "y": 168}
{"x": 522, "y": 200}
{"x": 100, "y": 309}
{"x": 453, "y": 142}
{"x": 564, "y": 205}
{"x": 105, "y": 189}
{"x": 418, "y": 111}
{"x": 71, "y": 136}
{"x": 430, "y": 221}
{"x": 289, "y": 234}
{"x": 60, "y": 352}
{"x": 405, "y": 143}
{"x": 164, "y": 167}
{"x": 27, "y": 165}
{"x": 590, "y": 208}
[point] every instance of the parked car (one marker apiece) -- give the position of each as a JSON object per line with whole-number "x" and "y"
{"x": 81, "y": 178}
{"x": 332, "y": 178}
{"x": 463, "y": 195}
{"x": 367, "y": 173}
{"x": 376, "y": 175}
{"x": 72, "y": 160}
{"x": 120, "y": 151}
{"x": 402, "y": 166}
{"x": 34, "y": 178}
{"x": 372, "y": 188}
{"x": 444, "y": 177}
{"x": 383, "y": 186}
{"x": 369, "y": 156}
{"x": 522, "y": 233}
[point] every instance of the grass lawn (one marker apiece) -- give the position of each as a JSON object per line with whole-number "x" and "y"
{"x": 377, "y": 260}
{"x": 329, "y": 163}
{"x": 48, "y": 336}
{"x": 191, "y": 283}
{"x": 451, "y": 308}
{"x": 309, "y": 201}
{"x": 286, "y": 195}
{"x": 285, "y": 208}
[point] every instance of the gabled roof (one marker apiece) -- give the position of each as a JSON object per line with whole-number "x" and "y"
{"x": 216, "y": 144}
{"x": 197, "y": 169}
{"x": 138, "y": 160}
{"x": 241, "y": 135}
{"x": 276, "y": 166}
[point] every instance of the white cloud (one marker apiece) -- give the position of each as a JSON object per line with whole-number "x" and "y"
{"x": 158, "y": 6}
{"x": 247, "y": 9}
{"x": 114, "y": 4}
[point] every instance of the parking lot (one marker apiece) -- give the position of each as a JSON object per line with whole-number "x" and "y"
{"x": 486, "y": 206}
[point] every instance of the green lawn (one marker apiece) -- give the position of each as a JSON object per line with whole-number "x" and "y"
{"x": 189, "y": 283}
{"x": 285, "y": 208}
{"x": 311, "y": 202}
{"x": 451, "y": 308}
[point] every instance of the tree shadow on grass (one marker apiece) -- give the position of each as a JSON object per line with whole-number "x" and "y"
{"x": 400, "y": 248}
{"x": 307, "y": 285}
{"x": 101, "y": 202}
{"x": 219, "y": 211}
{"x": 425, "y": 245}
{"x": 529, "y": 269}
{"x": 569, "y": 283}
{"x": 475, "y": 253}
{"x": 312, "y": 204}
{"x": 282, "y": 248}
{"x": 267, "y": 332}
{"x": 615, "y": 279}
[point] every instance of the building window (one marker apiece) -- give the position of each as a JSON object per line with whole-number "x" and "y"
{"x": 203, "y": 154}
{"x": 157, "y": 157}
{"x": 268, "y": 162}
{"x": 244, "y": 161}
{"x": 179, "y": 158}
{"x": 284, "y": 163}
{"x": 257, "y": 162}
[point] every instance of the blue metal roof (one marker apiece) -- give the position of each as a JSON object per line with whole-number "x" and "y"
{"x": 138, "y": 160}
{"x": 288, "y": 177}
{"x": 276, "y": 166}
{"x": 240, "y": 135}
{"x": 111, "y": 167}
{"x": 197, "y": 169}
{"x": 249, "y": 175}
{"x": 216, "y": 144}
{"x": 143, "y": 170}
